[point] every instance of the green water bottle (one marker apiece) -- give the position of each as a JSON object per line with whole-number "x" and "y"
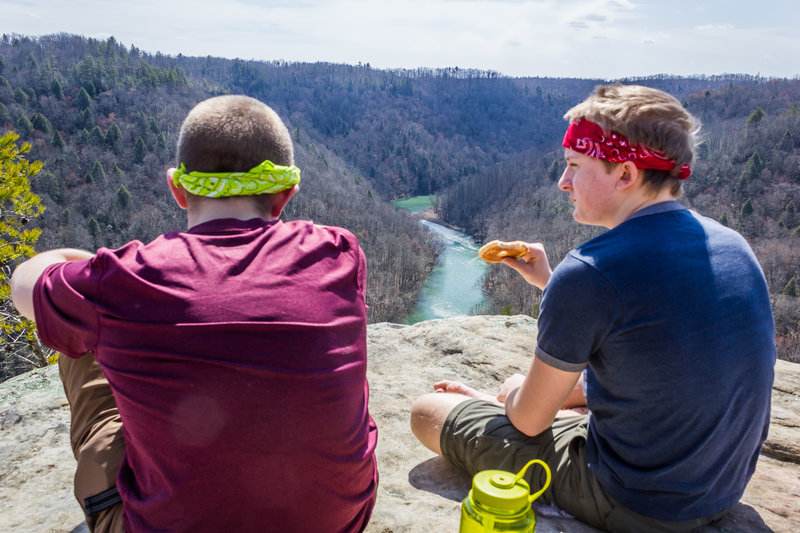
{"x": 500, "y": 501}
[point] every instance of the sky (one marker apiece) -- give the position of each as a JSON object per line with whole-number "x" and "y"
{"x": 607, "y": 39}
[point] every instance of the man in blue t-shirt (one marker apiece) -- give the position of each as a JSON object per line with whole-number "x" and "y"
{"x": 661, "y": 326}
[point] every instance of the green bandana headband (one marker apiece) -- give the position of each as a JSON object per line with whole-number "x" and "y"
{"x": 266, "y": 178}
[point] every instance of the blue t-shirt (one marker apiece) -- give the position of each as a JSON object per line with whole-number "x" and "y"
{"x": 670, "y": 315}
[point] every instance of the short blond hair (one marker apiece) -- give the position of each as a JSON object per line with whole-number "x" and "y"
{"x": 645, "y": 116}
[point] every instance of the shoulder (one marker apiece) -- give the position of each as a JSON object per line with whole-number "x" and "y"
{"x": 306, "y": 229}
{"x": 578, "y": 277}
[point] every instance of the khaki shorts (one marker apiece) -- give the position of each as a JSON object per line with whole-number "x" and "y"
{"x": 97, "y": 441}
{"x": 478, "y": 436}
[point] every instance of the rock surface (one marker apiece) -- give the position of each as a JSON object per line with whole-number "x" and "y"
{"x": 418, "y": 491}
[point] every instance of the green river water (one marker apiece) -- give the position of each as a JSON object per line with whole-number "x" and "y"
{"x": 454, "y": 286}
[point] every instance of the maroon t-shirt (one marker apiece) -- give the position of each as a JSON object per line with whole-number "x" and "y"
{"x": 237, "y": 356}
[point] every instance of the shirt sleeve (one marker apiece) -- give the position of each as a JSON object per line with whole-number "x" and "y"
{"x": 63, "y": 302}
{"x": 579, "y": 310}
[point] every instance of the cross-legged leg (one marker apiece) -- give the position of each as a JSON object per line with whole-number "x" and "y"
{"x": 96, "y": 438}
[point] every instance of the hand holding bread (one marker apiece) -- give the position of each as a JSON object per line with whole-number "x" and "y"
{"x": 495, "y": 251}
{"x": 535, "y": 268}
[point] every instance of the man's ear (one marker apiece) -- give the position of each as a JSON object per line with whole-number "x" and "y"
{"x": 178, "y": 192}
{"x": 630, "y": 175}
{"x": 281, "y": 199}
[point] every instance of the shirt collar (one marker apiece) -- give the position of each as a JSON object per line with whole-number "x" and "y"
{"x": 221, "y": 225}
{"x": 661, "y": 207}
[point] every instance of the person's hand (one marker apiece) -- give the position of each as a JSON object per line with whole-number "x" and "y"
{"x": 456, "y": 387}
{"x": 533, "y": 266}
{"x": 511, "y": 383}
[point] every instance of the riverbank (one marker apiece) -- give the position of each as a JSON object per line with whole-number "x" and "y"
{"x": 430, "y": 216}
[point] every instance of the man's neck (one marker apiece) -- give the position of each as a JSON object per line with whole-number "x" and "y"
{"x": 238, "y": 208}
{"x": 638, "y": 202}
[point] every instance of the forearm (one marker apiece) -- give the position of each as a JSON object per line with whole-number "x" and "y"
{"x": 27, "y": 274}
{"x": 529, "y": 422}
{"x": 532, "y": 406}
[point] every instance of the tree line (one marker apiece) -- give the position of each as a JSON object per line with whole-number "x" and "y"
{"x": 103, "y": 117}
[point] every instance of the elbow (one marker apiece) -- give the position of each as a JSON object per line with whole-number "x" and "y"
{"x": 527, "y": 423}
{"x": 530, "y": 430}
{"x": 21, "y": 297}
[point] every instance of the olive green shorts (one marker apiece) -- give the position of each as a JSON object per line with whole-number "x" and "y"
{"x": 478, "y": 436}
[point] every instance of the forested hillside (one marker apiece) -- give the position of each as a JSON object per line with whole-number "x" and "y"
{"x": 747, "y": 176}
{"x": 104, "y": 118}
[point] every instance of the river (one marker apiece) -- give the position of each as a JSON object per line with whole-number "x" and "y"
{"x": 454, "y": 286}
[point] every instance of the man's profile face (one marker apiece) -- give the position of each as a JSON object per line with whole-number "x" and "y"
{"x": 591, "y": 189}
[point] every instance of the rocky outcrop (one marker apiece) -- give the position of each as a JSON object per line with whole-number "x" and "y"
{"x": 418, "y": 490}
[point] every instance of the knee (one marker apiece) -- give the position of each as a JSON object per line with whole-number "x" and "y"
{"x": 425, "y": 421}
{"x": 423, "y": 410}
{"x": 428, "y": 415}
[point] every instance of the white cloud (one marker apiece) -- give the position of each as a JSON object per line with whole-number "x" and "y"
{"x": 715, "y": 27}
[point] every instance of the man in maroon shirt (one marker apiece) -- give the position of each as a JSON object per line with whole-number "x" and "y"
{"x": 217, "y": 377}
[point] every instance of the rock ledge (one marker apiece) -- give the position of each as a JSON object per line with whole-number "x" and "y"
{"x": 418, "y": 491}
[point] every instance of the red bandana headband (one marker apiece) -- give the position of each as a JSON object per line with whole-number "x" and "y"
{"x": 588, "y": 138}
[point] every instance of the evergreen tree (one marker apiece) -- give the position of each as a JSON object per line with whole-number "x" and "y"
{"x": 161, "y": 141}
{"x": 789, "y": 216}
{"x": 790, "y": 289}
{"x": 755, "y": 118}
{"x": 86, "y": 119}
{"x": 49, "y": 184}
{"x": 90, "y": 88}
{"x": 94, "y": 228}
{"x": 20, "y": 97}
{"x": 123, "y": 197}
{"x": 57, "y": 90}
{"x": 118, "y": 173}
{"x": 58, "y": 140}
{"x": 40, "y": 122}
{"x": 5, "y": 116}
{"x": 139, "y": 150}
{"x": 31, "y": 63}
{"x": 752, "y": 172}
{"x": 24, "y": 125}
{"x": 96, "y": 136}
{"x": 113, "y": 135}
{"x": 82, "y": 137}
{"x": 787, "y": 142}
{"x": 21, "y": 348}
{"x": 554, "y": 172}
{"x": 4, "y": 83}
{"x": 84, "y": 100}
{"x": 99, "y": 173}
{"x": 724, "y": 219}
{"x": 747, "y": 209}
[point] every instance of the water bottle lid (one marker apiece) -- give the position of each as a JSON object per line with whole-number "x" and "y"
{"x": 500, "y": 490}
